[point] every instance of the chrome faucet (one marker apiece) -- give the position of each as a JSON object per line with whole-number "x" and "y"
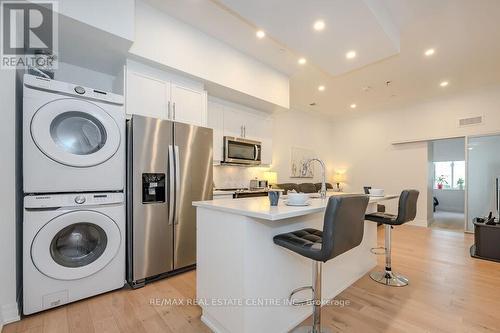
{"x": 322, "y": 192}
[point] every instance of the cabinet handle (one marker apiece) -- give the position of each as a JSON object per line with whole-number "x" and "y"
{"x": 241, "y": 130}
{"x": 174, "y": 110}
{"x": 168, "y": 110}
{"x": 244, "y": 131}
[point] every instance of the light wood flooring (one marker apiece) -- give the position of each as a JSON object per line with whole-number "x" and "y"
{"x": 448, "y": 292}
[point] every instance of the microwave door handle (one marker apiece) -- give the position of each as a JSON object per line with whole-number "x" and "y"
{"x": 256, "y": 153}
{"x": 171, "y": 187}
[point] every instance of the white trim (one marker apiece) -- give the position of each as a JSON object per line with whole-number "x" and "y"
{"x": 9, "y": 313}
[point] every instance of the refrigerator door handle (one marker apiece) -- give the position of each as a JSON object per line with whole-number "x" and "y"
{"x": 171, "y": 187}
{"x": 177, "y": 184}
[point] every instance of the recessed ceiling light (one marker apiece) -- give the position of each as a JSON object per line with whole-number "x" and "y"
{"x": 429, "y": 52}
{"x": 444, "y": 83}
{"x": 321, "y": 88}
{"x": 350, "y": 55}
{"x": 302, "y": 61}
{"x": 319, "y": 25}
{"x": 353, "y": 106}
{"x": 260, "y": 34}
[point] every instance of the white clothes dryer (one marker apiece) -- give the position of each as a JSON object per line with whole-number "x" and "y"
{"x": 73, "y": 138}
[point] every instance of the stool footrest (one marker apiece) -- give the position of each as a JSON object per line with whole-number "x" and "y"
{"x": 301, "y": 302}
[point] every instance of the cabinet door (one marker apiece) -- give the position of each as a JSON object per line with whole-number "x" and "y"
{"x": 147, "y": 96}
{"x": 188, "y": 105}
{"x": 259, "y": 127}
{"x": 216, "y": 122}
{"x": 233, "y": 121}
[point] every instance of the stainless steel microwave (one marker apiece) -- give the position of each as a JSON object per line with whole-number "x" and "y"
{"x": 242, "y": 151}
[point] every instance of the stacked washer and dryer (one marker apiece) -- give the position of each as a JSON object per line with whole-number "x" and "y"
{"x": 74, "y": 205}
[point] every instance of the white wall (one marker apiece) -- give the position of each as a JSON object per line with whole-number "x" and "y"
{"x": 85, "y": 77}
{"x": 8, "y": 306}
{"x": 303, "y": 130}
{"x": 172, "y": 43}
{"x": 114, "y": 16}
{"x": 362, "y": 144}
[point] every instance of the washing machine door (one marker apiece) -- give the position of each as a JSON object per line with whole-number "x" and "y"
{"x": 75, "y": 132}
{"x": 75, "y": 245}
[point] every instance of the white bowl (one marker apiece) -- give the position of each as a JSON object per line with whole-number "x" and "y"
{"x": 377, "y": 192}
{"x": 298, "y": 198}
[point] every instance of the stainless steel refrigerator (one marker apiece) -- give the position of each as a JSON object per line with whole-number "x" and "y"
{"x": 169, "y": 165}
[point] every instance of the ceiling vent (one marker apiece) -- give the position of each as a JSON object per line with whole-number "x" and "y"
{"x": 471, "y": 121}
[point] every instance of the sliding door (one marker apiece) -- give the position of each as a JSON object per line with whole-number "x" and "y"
{"x": 483, "y": 171}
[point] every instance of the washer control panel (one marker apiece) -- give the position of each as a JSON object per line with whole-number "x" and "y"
{"x": 37, "y": 82}
{"x": 80, "y": 199}
{"x": 72, "y": 200}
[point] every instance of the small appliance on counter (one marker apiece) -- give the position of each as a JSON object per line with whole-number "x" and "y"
{"x": 486, "y": 238}
{"x": 256, "y": 184}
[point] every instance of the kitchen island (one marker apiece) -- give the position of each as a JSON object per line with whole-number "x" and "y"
{"x": 244, "y": 279}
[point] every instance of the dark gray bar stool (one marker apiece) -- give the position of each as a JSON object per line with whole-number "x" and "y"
{"x": 343, "y": 229}
{"x": 407, "y": 211}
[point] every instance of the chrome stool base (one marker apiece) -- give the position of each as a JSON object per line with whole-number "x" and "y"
{"x": 389, "y": 279}
{"x": 309, "y": 329}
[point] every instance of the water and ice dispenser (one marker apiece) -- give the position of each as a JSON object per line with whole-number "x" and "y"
{"x": 153, "y": 187}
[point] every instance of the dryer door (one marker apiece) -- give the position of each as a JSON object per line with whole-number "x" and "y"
{"x": 75, "y": 132}
{"x": 75, "y": 245}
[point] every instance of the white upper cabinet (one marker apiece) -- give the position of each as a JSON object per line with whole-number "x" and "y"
{"x": 147, "y": 96}
{"x": 187, "y": 104}
{"x": 155, "y": 93}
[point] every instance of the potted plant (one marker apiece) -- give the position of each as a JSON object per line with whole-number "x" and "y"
{"x": 440, "y": 181}
{"x": 460, "y": 183}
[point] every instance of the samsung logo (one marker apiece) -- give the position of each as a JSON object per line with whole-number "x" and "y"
{"x": 38, "y": 198}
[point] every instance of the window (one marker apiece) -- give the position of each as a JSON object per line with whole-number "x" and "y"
{"x": 449, "y": 175}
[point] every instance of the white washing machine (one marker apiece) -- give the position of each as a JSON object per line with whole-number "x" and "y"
{"x": 73, "y": 247}
{"x": 73, "y": 138}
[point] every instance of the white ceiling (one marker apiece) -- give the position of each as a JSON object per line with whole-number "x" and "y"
{"x": 349, "y": 25}
{"x": 464, "y": 33}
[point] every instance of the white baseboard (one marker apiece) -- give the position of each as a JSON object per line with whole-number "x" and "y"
{"x": 418, "y": 223}
{"x": 9, "y": 313}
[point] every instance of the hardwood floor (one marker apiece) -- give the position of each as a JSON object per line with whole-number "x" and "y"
{"x": 448, "y": 292}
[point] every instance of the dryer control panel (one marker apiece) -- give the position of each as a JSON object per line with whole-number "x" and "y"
{"x": 72, "y": 200}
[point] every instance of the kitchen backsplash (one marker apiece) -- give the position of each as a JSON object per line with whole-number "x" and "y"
{"x": 236, "y": 177}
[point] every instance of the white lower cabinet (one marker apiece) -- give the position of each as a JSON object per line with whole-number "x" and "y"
{"x": 155, "y": 93}
{"x": 230, "y": 119}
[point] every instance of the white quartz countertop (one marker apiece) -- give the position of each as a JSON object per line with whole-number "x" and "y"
{"x": 260, "y": 208}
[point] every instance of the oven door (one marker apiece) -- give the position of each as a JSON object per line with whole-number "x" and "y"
{"x": 241, "y": 151}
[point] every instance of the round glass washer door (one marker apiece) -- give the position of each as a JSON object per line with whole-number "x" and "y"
{"x": 75, "y": 132}
{"x": 75, "y": 245}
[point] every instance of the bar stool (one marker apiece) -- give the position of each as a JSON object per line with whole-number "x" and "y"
{"x": 343, "y": 228}
{"x": 407, "y": 211}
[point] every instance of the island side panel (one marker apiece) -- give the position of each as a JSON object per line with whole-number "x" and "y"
{"x": 219, "y": 269}
{"x": 272, "y": 272}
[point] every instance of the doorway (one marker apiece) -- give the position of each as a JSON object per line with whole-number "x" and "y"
{"x": 447, "y": 183}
